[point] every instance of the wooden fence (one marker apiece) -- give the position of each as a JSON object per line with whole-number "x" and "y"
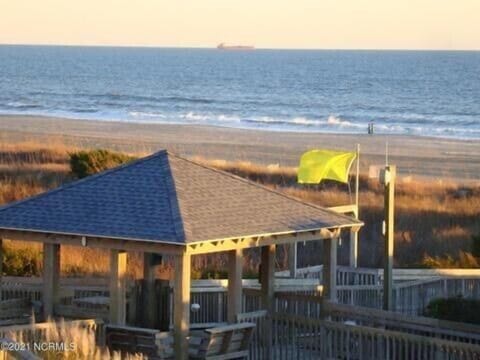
{"x": 371, "y": 276}
{"x": 410, "y": 297}
{"x": 298, "y": 337}
{"x": 359, "y": 287}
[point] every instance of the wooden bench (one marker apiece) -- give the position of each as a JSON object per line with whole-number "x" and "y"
{"x": 153, "y": 343}
{"x": 15, "y": 311}
{"x": 220, "y": 343}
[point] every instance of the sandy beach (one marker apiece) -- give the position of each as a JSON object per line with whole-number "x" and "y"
{"x": 418, "y": 157}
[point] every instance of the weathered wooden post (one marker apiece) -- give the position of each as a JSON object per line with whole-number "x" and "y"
{"x": 292, "y": 259}
{"x": 150, "y": 309}
{"x": 267, "y": 279}
{"x": 329, "y": 282}
{"x": 235, "y": 267}
{"x": 387, "y": 177}
{"x": 181, "y": 303}
{"x": 51, "y": 277}
{"x": 118, "y": 270}
{"x": 353, "y": 255}
{"x": 1, "y": 261}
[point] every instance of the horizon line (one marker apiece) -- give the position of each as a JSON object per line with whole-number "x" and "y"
{"x": 247, "y": 50}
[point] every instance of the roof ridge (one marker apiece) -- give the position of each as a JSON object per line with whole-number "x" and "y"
{"x": 179, "y": 226}
{"x": 252, "y": 183}
{"x": 85, "y": 179}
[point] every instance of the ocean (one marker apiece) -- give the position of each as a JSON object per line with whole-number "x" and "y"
{"x": 431, "y": 93}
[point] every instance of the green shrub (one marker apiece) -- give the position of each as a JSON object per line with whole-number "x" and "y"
{"x": 455, "y": 309}
{"x": 84, "y": 163}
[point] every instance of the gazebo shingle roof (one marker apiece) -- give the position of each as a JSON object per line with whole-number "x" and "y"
{"x": 169, "y": 199}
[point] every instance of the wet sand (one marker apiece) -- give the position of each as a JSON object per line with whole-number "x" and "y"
{"x": 419, "y": 157}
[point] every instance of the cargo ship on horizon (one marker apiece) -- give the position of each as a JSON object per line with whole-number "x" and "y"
{"x": 223, "y": 46}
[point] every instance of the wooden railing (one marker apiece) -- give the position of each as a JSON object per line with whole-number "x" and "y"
{"x": 298, "y": 337}
{"x": 371, "y": 276}
{"x": 345, "y": 275}
{"x": 344, "y": 333}
{"x": 417, "y": 325}
{"x": 299, "y": 304}
{"x": 359, "y": 289}
{"x": 258, "y": 350}
{"x": 412, "y": 297}
{"x": 16, "y": 311}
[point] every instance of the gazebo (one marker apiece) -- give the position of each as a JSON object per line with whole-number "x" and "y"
{"x": 165, "y": 204}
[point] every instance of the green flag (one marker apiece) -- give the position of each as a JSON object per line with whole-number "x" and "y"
{"x": 317, "y": 165}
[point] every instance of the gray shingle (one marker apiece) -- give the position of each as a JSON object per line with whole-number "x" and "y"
{"x": 166, "y": 198}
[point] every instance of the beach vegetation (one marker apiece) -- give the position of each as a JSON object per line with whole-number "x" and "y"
{"x": 84, "y": 163}
{"x": 436, "y": 222}
{"x": 457, "y": 309}
{"x": 69, "y": 341}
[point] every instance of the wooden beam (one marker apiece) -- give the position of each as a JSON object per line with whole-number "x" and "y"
{"x": 93, "y": 242}
{"x": 389, "y": 182}
{"x": 51, "y": 277}
{"x": 150, "y": 306}
{"x": 257, "y": 241}
{"x": 235, "y": 267}
{"x": 345, "y": 209}
{"x": 181, "y": 305}
{"x": 330, "y": 269}
{"x": 292, "y": 259}
{"x": 118, "y": 270}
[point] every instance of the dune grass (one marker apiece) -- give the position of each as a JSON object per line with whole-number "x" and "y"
{"x": 69, "y": 341}
{"x": 435, "y": 221}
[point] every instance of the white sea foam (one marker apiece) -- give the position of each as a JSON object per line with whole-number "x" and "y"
{"x": 143, "y": 114}
{"x": 336, "y": 121}
{"x": 307, "y": 122}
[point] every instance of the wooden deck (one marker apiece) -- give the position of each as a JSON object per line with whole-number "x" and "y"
{"x": 304, "y": 325}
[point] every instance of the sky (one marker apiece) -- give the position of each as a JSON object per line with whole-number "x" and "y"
{"x": 304, "y": 24}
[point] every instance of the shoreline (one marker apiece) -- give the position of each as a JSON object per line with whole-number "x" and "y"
{"x": 242, "y": 128}
{"x": 416, "y": 156}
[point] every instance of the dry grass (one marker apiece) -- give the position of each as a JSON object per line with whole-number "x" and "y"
{"x": 434, "y": 220}
{"x": 67, "y": 341}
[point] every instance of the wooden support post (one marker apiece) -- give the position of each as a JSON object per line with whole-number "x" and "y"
{"x": 353, "y": 253}
{"x": 267, "y": 277}
{"x": 1, "y": 260}
{"x": 353, "y": 256}
{"x": 235, "y": 267}
{"x": 118, "y": 270}
{"x": 292, "y": 259}
{"x": 181, "y": 316}
{"x": 51, "y": 277}
{"x": 330, "y": 269}
{"x": 357, "y": 181}
{"x": 388, "y": 178}
{"x": 150, "y": 303}
{"x": 267, "y": 282}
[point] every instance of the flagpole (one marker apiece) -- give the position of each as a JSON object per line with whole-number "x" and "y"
{"x": 357, "y": 181}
